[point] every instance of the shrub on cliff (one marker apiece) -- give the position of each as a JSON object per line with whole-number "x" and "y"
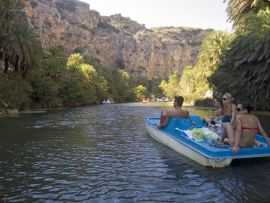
{"x": 68, "y": 5}
{"x": 15, "y": 91}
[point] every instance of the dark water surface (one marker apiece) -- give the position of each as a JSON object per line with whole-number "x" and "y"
{"x": 103, "y": 154}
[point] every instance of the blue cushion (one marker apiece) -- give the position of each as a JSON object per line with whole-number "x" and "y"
{"x": 198, "y": 121}
{"x": 182, "y": 123}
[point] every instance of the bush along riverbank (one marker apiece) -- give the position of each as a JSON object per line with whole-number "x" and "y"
{"x": 34, "y": 77}
{"x": 63, "y": 81}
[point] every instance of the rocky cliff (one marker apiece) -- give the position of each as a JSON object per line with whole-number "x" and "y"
{"x": 114, "y": 40}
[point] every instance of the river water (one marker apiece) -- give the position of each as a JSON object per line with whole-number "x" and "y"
{"x": 103, "y": 154}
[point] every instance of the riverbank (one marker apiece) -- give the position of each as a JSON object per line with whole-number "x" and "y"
{"x": 15, "y": 112}
{"x": 264, "y": 113}
{"x": 7, "y": 112}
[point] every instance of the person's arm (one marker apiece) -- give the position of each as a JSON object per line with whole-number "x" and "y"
{"x": 164, "y": 122}
{"x": 233, "y": 114}
{"x": 217, "y": 113}
{"x": 165, "y": 116}
{"x": 164, "y": 119}
{"x": 237, "y": 136}
{"x": 262, "y": 132}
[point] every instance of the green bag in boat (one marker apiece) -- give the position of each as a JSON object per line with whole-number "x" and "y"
{"x": 203, "y": 134}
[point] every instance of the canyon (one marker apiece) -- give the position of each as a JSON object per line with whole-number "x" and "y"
{"x": 115, "y": 41}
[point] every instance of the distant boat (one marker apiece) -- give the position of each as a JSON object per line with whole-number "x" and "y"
{"x": 176, "y": 135}
{"x": 145, "y": 100}
{"x": 106, "y": 102}
{"x": 163, "y": 99}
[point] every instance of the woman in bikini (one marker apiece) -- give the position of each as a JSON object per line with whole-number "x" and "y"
{"x": 218, "y": 108}
{"x": 217, "y": 113}
{"x": 247, "y": 126}
{"x": 228, "y": 109}
{"x": 177, "y": 112}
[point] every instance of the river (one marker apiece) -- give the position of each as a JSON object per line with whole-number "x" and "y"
{"x": 103, "y": 154}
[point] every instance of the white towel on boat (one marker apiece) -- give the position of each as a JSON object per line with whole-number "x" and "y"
{"x": 188, "y": 133}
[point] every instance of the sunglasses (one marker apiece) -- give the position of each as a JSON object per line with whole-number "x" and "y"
{"x": 224, "y": 99}
{"x": 238, "y": 109}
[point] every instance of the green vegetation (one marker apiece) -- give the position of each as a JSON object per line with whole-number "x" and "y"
{"x": 238, "y": 63}
{"x": 171, "y": 88}
{"x": 245, "y": 68}
{"x": 19, "y": 46}
{"x": 238, "y": 10}
{"x": 140, "y": 92}
{"x": 194, "y": 81}
{"x": 34, "y": 77}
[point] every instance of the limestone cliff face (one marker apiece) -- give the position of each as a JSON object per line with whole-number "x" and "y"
{"x": 115, "y": 41}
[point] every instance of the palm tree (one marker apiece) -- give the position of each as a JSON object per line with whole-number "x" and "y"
{"x": 212, "y": 48}
{"x": 237, "y": 9}
{"x": 21, "y": 47}
{"x": 11, "y": 14}
{"x": 246, "y": 66}
{"x": 54, "y": 62}
{"x": 255, "y": 59}
{"x": 209, "y": 58}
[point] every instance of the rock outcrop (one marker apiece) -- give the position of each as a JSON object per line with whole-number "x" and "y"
{"x": 115, "y": 41}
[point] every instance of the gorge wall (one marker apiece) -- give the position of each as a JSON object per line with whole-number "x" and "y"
{"x": 115, "y": 41}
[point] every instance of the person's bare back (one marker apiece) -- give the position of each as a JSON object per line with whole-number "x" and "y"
{"x": 177, "y": 112}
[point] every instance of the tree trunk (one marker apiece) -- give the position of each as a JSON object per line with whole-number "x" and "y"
{"x": 23, "y": 70}
{"x": 6, "y": 64}
{"x": 16, "y": 64}
{"x": 1, "y": 53}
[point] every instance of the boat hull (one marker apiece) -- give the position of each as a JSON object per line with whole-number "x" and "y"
{"x": 185, "y": 150}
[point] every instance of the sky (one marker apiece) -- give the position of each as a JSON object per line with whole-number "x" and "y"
{"x": 178, "y": 13}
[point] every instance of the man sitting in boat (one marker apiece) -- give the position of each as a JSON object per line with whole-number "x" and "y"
{"x": 247, "y": 127}
{"x": 177, "y": 112}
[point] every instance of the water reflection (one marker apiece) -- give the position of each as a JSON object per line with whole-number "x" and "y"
{"x": 103, "y": 154}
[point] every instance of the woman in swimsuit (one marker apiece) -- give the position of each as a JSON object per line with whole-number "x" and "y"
{"x": 177, "y": 112}
{"x": 247, "y": 126}
{"x": 228, "y": 109}
{"x": 217, "y": 113}
{"x": 218, "y": 105}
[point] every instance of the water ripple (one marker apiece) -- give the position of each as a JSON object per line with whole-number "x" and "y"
{"x": 103, "y": 154}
